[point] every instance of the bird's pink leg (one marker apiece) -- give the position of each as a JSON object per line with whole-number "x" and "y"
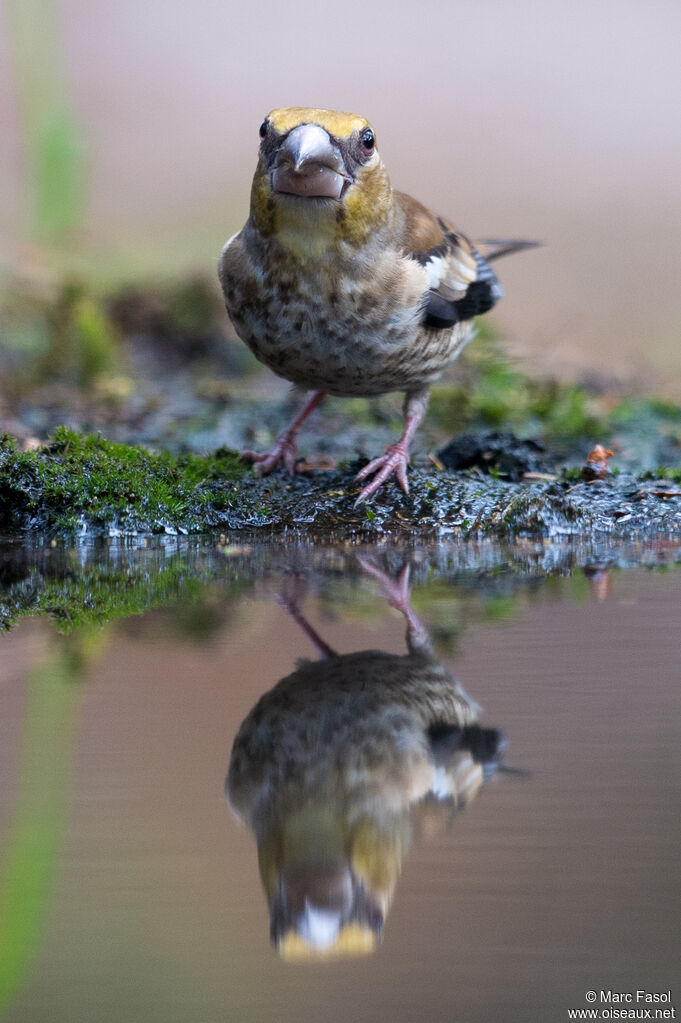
{"x": 396, "y": 458}
{"x": 285, "y": 448}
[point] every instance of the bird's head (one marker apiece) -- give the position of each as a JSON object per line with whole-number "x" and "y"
{"x": 328, "y": 884}
{"x": 319, "y": 179}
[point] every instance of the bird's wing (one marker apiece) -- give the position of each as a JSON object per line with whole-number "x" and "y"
{"x": 461, "y": 283}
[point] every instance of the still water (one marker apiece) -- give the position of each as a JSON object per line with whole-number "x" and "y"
{"x": 338, "y": 784}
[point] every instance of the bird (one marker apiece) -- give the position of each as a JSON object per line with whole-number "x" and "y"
{"x": 339, "y": 766}
{"x": 346, "y": 286}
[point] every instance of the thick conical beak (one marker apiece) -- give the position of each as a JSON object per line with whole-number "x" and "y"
{"x": 309, "y": 164}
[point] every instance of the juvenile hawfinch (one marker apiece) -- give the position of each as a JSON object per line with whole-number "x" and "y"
{"x": 345, "y": 286}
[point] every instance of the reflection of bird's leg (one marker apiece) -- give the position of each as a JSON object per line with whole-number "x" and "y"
{"x": 398, "y": 594}
{"x": 291, "y": 594}
{"x": 285, "y": 449}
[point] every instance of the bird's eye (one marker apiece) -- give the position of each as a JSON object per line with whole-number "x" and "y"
{"x": 368, "y": 141}
{"x": 263, "y": 129}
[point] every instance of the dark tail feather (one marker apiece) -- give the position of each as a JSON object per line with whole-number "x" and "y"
{"x": 493, "y": 249}
{"x": 517, "y": 772}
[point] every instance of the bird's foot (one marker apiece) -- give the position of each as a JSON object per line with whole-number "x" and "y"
{"x": 285, "y": 450}
{"x": 396, "y": 591}
{"x": 398, "y": 594}
{"x": 395, "y": 460}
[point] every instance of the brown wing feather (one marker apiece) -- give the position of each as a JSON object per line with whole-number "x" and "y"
{"x": 462, "y": 283}
{"x": 421, "y": 230}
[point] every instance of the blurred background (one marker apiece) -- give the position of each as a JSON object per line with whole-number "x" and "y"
{"x": 130, "y": 134}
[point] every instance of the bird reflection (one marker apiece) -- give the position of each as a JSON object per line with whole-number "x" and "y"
{"x": 340, "y": 766}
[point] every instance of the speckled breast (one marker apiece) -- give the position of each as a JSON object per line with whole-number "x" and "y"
{"x": 354, "y": 339}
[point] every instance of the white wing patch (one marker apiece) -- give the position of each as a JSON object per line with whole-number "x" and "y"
{"x": 449, "y": 276}
{"x": 435, "y": 269}
{"x": 441, "y": 784}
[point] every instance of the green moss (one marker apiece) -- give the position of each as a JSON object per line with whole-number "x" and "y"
{"x": 83, "y": 341}
{"x": 69, "y": 337}
{"x": 488, "y": 392}
{"x": 76, "y": 596}
{"x": 566, "y": 411}
{"x": 78, "y": 481}
{"x": 81, "y": 589}
{"x": 193, "y": 307}
{"x": 637, "y": 409}
{"x": 663, "y": 473}
{"x": 499, "y": 608}
{"x": 491, "y": 393}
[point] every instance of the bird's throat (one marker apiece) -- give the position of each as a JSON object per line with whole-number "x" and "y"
{"x": 306, "y": 228}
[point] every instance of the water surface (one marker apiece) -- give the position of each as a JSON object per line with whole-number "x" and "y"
{"x": 493, "y": 855}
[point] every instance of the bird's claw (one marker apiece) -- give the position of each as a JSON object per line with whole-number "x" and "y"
{"x": 395, "y": 460}
{"x": 284, "y": 451}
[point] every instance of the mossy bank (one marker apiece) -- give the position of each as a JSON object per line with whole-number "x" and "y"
{"x": 79, "y": 483}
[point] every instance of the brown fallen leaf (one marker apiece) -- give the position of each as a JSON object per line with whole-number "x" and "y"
{"x": 596, "y": 465}
{"x": 323, "y": 463}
